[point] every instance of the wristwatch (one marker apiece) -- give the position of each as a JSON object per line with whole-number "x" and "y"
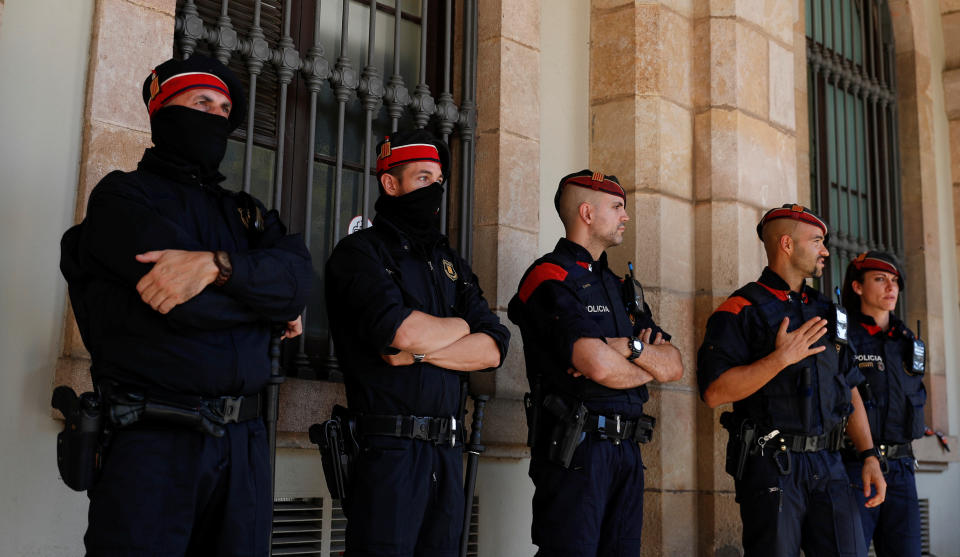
{"x": 636, "y": 347}
{"x": 224, "y": 267}
{"x": 872, "y": 451}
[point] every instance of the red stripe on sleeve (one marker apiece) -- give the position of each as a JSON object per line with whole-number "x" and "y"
{"x": 734, "y": 304}
{"x": 540, "y": 273}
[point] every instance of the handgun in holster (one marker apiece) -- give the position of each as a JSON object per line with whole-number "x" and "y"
{"x": 568, "y": 433}
{"x": 743, "y": 434}
{"x": 80, "y": 445}
{"x": 337, "y": 440}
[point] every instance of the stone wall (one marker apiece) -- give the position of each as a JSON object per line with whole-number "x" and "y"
{"x": 950, "y": 14}
{"x": 919, "y": 194}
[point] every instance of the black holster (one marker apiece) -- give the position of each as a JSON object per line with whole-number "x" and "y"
{"x": 81, "y": 443}
{"x": 567, "y": 433}
{"x": 742, "y": 438}
{"x": 337, "y": 441}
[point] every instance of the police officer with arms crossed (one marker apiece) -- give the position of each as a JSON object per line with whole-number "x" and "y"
{"x": 588, "y": 361}
{"x": 892, "y": 362}
{"x": 778, "y": 350}
{"x": 407, "y": 316}
{"x": 175, "y": 282}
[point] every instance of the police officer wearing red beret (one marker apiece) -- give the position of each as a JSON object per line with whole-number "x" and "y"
{"x": 779, "y": 351}
{"x": 588, "y": 361}
{"x": 408, "y": 318}
{"x": 892, "y": 361}
{"x": 175, "y": 282}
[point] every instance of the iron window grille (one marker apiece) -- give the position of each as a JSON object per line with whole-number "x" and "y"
{"x": 854, "y": 156}
{"x": 321, "y": 98}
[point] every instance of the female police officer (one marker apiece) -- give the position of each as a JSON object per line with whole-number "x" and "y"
{"x": 891, "y": 360}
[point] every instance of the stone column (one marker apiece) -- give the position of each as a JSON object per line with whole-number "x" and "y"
{"x": 129, "y": 38}
{"x": 506, "y": 221}
{"x": 950, "y": 12}
{"x": 641, "y": 119}
{"x": 745, "y": 161}
{"x": 919, "y": 193}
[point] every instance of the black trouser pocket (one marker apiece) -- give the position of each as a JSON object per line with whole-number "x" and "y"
{"x": 846, "y": 518}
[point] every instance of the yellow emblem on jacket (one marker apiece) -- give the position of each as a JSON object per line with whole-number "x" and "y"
{"x": 449, "y": 270}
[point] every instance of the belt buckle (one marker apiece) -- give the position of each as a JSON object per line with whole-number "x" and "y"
{"x": 231, "y": 409}
{"x": 421, "y": 426}
{"x": 453, "y": 431}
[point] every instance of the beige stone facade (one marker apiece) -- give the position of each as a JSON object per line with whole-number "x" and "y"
{"x": 700, "y": 108}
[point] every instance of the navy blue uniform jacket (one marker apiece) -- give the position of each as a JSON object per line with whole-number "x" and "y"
{"x": 893, "y": 395}
{"x": 806, "y": 398}
{"x": 563, "y": 297}
{"x": 375, "y": 278}
{"x": 216, "y": 343}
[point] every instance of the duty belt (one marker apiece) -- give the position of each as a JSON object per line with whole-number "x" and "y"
{"x": 436, "y": 430}
{"x": 617, "y": 428}
{"x": 830, "y": 441}
{"x": 233, "y": 409}
{"x": 895, "y": 451}
{"x": 888, "y": 451}
{"x": 205, "y": 414}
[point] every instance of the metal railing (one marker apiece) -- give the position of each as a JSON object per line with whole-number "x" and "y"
{"x": 854, "y": 153}
{"x": 298, "y": 72}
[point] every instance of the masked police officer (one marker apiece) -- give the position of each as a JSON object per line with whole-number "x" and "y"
{"x": 892, "y": 361}
{"x": 778, "y": 350}
{"x": 407, "y": 316}
{"x": 588, "y": 361}
{"x": 175, "y": 282}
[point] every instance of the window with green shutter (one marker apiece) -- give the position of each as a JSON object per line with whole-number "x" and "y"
{"x": 854, "y": 165}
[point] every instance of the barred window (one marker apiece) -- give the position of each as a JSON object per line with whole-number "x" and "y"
{"x": 321, "y": 97}
{"x": 854, "y": 164}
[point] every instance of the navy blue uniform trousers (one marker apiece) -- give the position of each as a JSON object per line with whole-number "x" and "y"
{"x": 813, "y": 507}
{"x": 595, "y": 507}
{"x": 894, "y": 526}
{"x": 405, "y": 499}
{"x": 170, "y": 492}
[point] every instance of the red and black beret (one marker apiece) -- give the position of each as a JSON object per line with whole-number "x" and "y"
{"x": 597, "y": 181}
{"x": 173, "y": 77}
{"x": 791, "y": 211}
{"x": 407, "y": 146}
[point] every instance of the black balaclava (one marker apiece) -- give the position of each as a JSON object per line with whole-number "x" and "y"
{"x": 197, "y": 138}
{"x": 416, "y": 214}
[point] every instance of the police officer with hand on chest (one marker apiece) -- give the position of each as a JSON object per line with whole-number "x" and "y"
{"x": 175, "y": 282}
{"x": 892, "y": 362}
{"x": 588, "y": 361}
{"x": 407, "y": 317}
{"x": 779, "y": 351}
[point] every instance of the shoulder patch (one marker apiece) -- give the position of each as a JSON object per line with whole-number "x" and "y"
{"x": 734, "y": 304}
{"x": 539, "y": 274}
{"x": 782, "y": 295}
